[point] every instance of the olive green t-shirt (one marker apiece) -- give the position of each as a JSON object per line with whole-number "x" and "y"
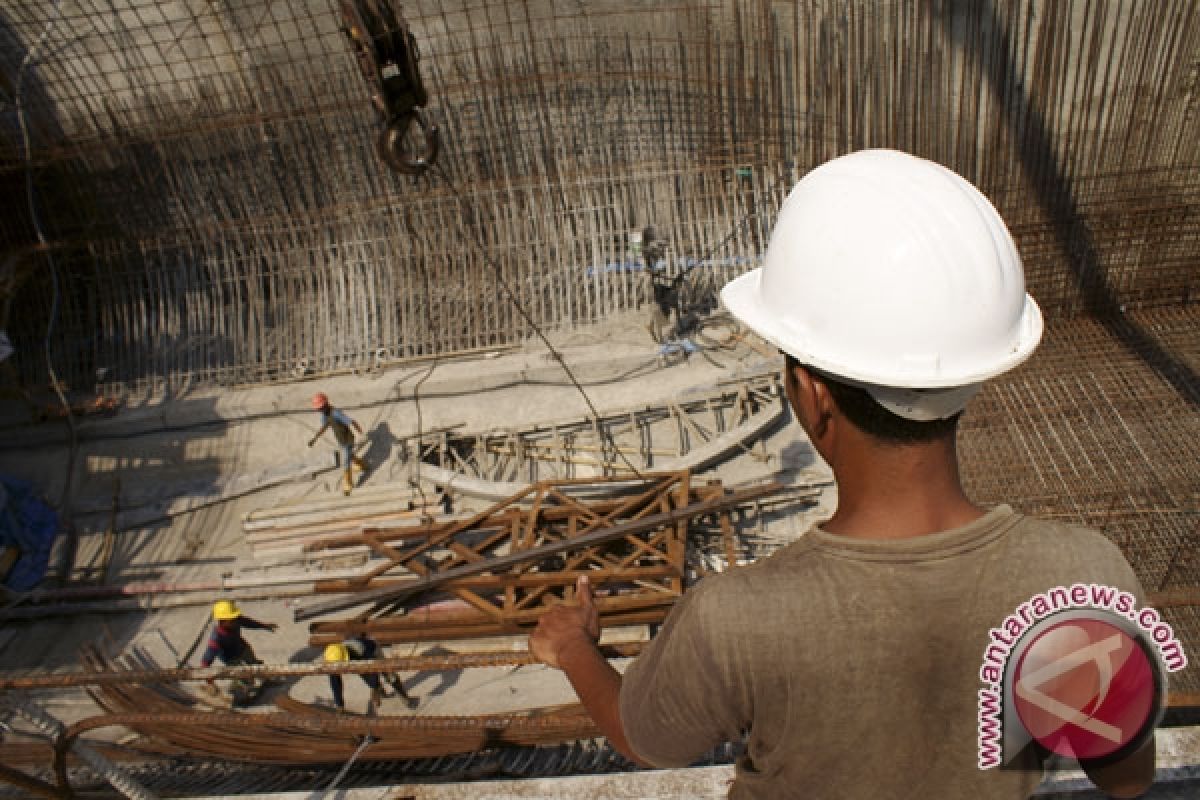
{"x": 853, "y": 666}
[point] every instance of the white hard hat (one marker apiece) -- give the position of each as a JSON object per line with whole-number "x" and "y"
{"x": 894, "y": 273}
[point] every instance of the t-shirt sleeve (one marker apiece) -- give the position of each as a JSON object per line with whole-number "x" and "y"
{"x": 677, "y": 699}
{"x": 250, "y": 623}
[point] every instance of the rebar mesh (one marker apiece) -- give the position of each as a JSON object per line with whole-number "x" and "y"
{"x": 1095, "y": 433}
{"x": 205, "y": 176}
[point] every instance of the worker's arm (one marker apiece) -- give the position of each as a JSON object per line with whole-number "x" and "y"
{"x": 565, "y": 639}
{"x": 253, "y": 624}
{"x": 358, "y": 428}
{"x": 1129, "y": 777}
{"x": 320, "y": 430}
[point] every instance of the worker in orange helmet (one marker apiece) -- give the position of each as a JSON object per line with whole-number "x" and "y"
{"x": 343, "y": 429}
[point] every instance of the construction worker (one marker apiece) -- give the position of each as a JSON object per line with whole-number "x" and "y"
{"x": 363, "y": 648}
{"x": 226, "y": 643}
{"x": 343, "y": 430}
{"x": 849, "y": 662}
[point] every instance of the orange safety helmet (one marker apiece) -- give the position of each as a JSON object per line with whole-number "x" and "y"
{"x": 320, "y": 401}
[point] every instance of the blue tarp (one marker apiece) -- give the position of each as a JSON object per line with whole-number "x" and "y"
{"x": 29, "y": 525}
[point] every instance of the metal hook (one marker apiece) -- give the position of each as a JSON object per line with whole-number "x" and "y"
{"x": 391, "y": 144}
{"x": 388, "y": 56}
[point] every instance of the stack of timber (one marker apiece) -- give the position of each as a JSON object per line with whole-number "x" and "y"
{"x": 287, "y": 528}
{"x": 504, "y": 566}
{"x": 693, "y": 432}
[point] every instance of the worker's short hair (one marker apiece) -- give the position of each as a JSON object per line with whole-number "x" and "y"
{"x": 857, "y": 405}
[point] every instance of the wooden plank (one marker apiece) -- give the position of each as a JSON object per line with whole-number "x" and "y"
{"x": 476, "y": 631}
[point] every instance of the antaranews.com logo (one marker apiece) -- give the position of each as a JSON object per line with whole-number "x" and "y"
{"x": 1080, "y": 671}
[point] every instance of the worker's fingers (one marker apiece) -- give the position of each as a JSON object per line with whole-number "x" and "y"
{"x": 583, "y": 591}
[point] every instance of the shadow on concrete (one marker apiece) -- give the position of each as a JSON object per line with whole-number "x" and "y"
{"x": 445, "y": 678}
{"x": 146, "y": 504}
{"x": 1052, "y": 192}
{"x": 305, "y": 655}
{"x": 155, "y": 479}
{"x": 380, "y": 444}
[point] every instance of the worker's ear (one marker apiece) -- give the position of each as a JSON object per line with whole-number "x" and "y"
{"x": 810, "y": 399}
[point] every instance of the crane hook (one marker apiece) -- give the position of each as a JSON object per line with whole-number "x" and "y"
{"x": 387, "y": 55}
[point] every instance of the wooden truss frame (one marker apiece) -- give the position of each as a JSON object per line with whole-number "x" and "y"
{"x": 507, "y": 564}
{"x": 646, "y": 437}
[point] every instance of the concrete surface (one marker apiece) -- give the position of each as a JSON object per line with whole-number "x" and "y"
{"x": 185, "y": 469}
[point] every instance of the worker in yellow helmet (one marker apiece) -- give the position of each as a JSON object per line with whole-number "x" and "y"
{"x": 364, "y": 648}
{"x": 226, "y": 642}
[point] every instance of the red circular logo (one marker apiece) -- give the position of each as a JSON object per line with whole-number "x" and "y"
{"x": 1085, "y": 688}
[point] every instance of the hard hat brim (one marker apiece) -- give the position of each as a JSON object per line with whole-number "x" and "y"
{"x": 743, "y": 298}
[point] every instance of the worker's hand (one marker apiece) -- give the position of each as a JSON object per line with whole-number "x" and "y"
{"x": 567, "y": 626}
{"x": 272, "y": 626}
{"x": 311, "y": 442}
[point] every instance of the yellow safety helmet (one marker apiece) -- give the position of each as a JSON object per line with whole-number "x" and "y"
{"x": 226, "y": 609}
{"x": 337, "y": 652}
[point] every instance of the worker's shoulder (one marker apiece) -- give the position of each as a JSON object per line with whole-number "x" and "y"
{"x": 761, "y": 576}
{"x": 1055, "y": 534}
{"x": 1066, "y": 548}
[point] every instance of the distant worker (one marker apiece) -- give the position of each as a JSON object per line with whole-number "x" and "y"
{"x": 850, "y": 662}
{"x": 663, "y": 288}
{"x": 226, "y": 643}
{"x": 363, "y": 648}
{"x": 343, "y": 430}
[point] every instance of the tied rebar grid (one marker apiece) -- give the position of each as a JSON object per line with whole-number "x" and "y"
{"x": 1090, "y": 433}
{"x": 207, "y": 173}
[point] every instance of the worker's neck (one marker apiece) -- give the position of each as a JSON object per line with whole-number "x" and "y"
{"x": 898, "y": 492}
